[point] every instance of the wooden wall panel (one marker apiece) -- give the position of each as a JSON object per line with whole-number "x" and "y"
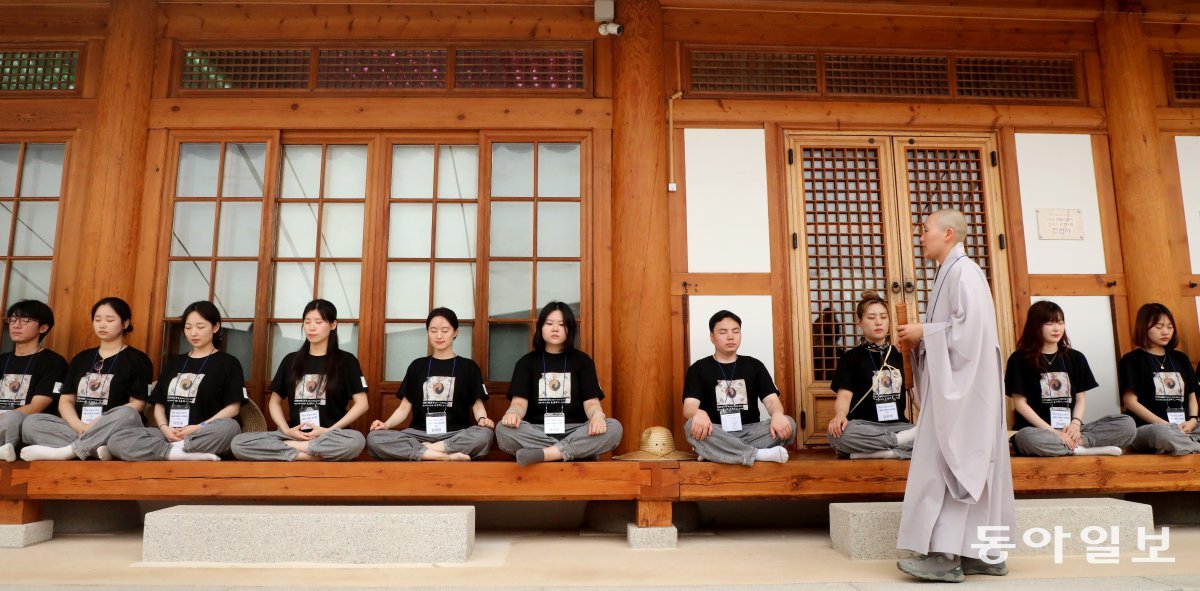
{"x": 43, "y": 21}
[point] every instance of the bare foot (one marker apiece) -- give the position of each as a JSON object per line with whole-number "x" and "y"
{"x": 458, "y": 457}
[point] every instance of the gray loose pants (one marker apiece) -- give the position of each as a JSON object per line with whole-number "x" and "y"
{"x": 52, "y": 431}
{"x": 1115, "y": 430}
{"x": 334, "y": 445}
{"x": 575, "y": 443}
{"x": 738, "y": 447}
{"x": 387, "y": 444}
{"x": 147, "y": 444}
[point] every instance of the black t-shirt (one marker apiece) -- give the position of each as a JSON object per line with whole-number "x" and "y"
{"x": 1160, "y": 382}
{"x": 108, "y": 383}
{"x": 449, "y": 386}
{"x": 203, "y": 385}
{"x": 1066, "y": 373}
{"x": 40, "y": 374}
{"x": 313, "y": 390}
{"x": 738, "y": 385}
{"x": 555, "y": 382}
{"x": 861, "y": 368}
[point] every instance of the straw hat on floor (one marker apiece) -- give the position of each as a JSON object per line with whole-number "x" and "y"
{"x": 251, "y": 417}
{"x": 657, "y": 445}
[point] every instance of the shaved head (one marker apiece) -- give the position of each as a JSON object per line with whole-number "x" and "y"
{"x": 951, "y": 219}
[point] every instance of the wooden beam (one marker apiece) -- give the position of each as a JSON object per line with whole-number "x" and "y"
{"x": 1020, "y": 9}
{"x": 654, "y": 513}
{"x": 18, "y": 511}
{"x": 721, "y": 284}
{"x": 376, "y": 112}
{"x": 641, "y": 257}
{"x": 45, "y": 114}
{"x": 50, "y": 21}
{"x": 1077, "y": 285}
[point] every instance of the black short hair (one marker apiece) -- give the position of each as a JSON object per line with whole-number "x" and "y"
{"x": 209, "y": 312}
{"x": 120, "y": 306}
{"x": 1149, "y": 315}
{"x": 36, "y": 310}
{"x": 539, "y": 343}
{"x": 721, "y": 315}
{"x": 446, "y": 313}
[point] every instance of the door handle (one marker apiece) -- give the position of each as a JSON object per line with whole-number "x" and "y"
{"x": 895, "y": 287}
{"x": 909, "y": 287}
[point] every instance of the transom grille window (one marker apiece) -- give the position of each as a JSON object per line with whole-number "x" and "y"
{"x": 39, "y": 70}
{"x": 245, "y": 69}
{"x": 1184, "y": 75}
{"x": 31, "y": 182}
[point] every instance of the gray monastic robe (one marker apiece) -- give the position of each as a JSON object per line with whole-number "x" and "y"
{"x": 960, "y": 477}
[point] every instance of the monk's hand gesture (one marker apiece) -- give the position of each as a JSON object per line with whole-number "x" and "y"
{"x": 781, "y": 427}
{"x": 910, "y": 334}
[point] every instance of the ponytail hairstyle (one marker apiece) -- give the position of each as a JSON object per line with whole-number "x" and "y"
{"x": 210, "y": 314}
{"x": 1030, "y": 343}
{"x": 333, "y": 355}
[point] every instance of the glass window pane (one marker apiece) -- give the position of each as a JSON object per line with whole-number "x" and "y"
{"x": 37, "y": 222}
{"x": 558, "y": 170}
{"x": 192, "y": 231}
{"x": 558, "y": 229}
{"x": 293, "y": 288}
{"x": 458, "y": 172}
{"x": 512, "y": 170}
{"x": 456, "y": 230}
{"x": 407, "y": 290}
{"x": 462, "y": 343}
{"x": 235, "y": 288}
{"x": 412, "y": 172}
{"x": 510, "y": 289}
{"x": 410, "y": 230}
{"x": 348, "y": 337}
{"x": 240, "y": 225}
{"x": 402, "y": 344}
{"x": 285, "y": 338}
{"x": 28, "y": 280}
{"x": 41, "y": 175}
{"x": 199, "y": 168}
{"x": 301, "y": 174}
{"x": 297, "y": 231}
{"x": 237, "y": 340}
{"x": 342, "y": 230}
{"x": 506, "y": 344}
{"x": 454, "y": 288}
{"x": 187, "y": 282}
{"x": 9, "y": 155}
{"x": 245, "y": 167}
{"x": 512, "y": 230}
{"x": 558, "y": 282}
{"x": 346, "y": 172}
{"x": 341, "y": 283}
{"x": 6, "y": 211}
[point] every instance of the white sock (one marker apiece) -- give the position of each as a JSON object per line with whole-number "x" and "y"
{"x": 176, "y": 453}
{"x": 103, "y": 453}
{"x": 772, "y": 454}
{"x": 8, "y": 453}
{"x": 906, "y": 436}
{"x": 35, "y": 453}
{"x": 887, "y": 454}
{"x": 1104, "y": 450}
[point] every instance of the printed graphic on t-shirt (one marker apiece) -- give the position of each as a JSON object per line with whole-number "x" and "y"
{"x": 555, "y": 388}
{"x": 439, "y": 391}
{"x": 888, "y": 383}
{"x": 1168, "y": 385}
{"x": 310, "y": 390}
{"x": 183, "y": 388}
{"x": 731, "y": 394}
{"x": 1056, "y": 386}
{"x": 13, "y": 390}
{"x": 94, "y": 388}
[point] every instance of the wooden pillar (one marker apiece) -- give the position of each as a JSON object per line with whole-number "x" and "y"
{"x": 105, "y": 219}
{"x": 1141, "y": 193}
{"x": 19, "y": 511}
{"x": 641, "y": 319}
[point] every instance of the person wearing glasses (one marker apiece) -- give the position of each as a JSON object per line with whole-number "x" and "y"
{"x": 105, "y": 391}
{"x": 32, "y": 374}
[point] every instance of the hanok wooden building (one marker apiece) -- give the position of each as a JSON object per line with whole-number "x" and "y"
{"x": 766, "y": 156}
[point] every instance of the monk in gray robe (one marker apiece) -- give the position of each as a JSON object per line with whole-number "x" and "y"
{"x": 959, "y": 481}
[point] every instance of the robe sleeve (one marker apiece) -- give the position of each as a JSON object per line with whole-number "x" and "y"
{"x": 961, "y": 359}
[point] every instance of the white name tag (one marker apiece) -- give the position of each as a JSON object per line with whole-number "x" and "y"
{"x": 555, "y": 423}
{"x": 1060, "y": 417}
{"x": 91, "y": 413}
{"x": 887, "y": 411}
{"x": 180, "y": 415}
{"x": 435, "y": 424}
{"x": 731, "y": 422}
{"x": 1176, "y": 417}
{"x": 311, "y": 416}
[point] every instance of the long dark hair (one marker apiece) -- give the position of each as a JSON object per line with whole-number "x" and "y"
{"x": 209, "y": 313}
{"x": 333, "y": 355}
{"x": 1030, "y": 343}
{"x": 539, "y": 343}
{"x": 1149, "y": 315}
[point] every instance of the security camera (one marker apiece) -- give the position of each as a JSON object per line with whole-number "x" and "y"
{"x": 611, "y": 29}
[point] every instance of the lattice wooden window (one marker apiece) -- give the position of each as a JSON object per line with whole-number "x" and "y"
{"x": 520, "y": 69}
{"x": 391, "y": 69}
{"x": 938, "y": 178}
{"x": 1016, "y": 78}
{"x": 1184, "y": 76}
{"x": 245, "y": 69}
{"x": 886, "y": 75}
{"x": 38, "y": 70}
{"x": 844, "y": 234}
{"x": 753, "y": 72}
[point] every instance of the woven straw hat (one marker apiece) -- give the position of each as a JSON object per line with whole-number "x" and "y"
{"x": 251, "y": 417}
{"x": 657, "y": 445}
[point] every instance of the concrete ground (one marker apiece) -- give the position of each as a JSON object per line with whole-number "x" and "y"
{"x": 727, "y": 559}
